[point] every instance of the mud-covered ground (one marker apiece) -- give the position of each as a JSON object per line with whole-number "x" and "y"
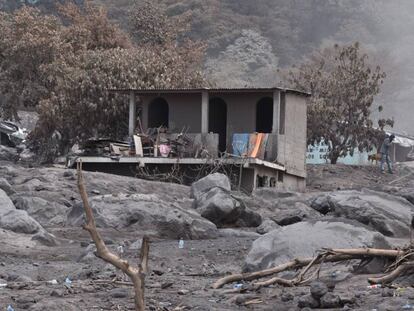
{"x": 179, "y": 279}
{"x": 342, "y": 177}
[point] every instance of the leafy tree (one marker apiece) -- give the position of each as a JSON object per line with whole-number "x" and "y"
{"x": 28, "y": 40}
{"x": 88, "y": 28}
{"x": 150, "y": 23}
{"x": 65, "y": 66}
{"x": 343, "y": 88}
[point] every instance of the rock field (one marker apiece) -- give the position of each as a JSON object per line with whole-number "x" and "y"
{"x": 42, "y": 242}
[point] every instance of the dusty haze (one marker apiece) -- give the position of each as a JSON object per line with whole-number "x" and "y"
{"x": 249, "y": 40}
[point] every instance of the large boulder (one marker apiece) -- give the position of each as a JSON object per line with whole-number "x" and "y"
{"x": 267, "y": 226}
{"x": 45, "y": 212}
{"x": 19, "y": 221}
{"x": 214, "y": 201}
{"x": 209, "y": 182}
{"x": 33, "y": 184}
{"x": 284, "y": 208}
{"x": 292, "y": 212}
{"x": 145, "y": 212}
{"x": 221, "y": 208}
{"x": 4, "y": 185}
{"x": 303, "y": 239}
{"x": 5, "y": 203}
{"x": 388, "y": 214}
{"x": 407, "y": 193}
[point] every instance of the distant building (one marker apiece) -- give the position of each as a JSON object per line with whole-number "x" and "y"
{"x": 401, "y": 147}
{"x": 262, "y": 130}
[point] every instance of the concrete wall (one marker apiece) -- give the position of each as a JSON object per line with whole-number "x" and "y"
{"x": 399, "y": 153}
{"x": 184, "y": 111}
{"x": 241, "y": 113}
{"x": 317, "y": 154}
{"x": 292, "y": 183}
{"x": 252, "y": 177}
{"x": 292, "y": 144}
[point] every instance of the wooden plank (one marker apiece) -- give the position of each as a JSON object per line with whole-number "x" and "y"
{"x": 139, "y": 152}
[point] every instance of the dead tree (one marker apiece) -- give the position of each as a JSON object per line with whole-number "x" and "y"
{"x": 137, "y": 275}
{"x": 403, "y": 262}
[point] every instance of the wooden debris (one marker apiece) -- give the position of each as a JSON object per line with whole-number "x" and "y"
{"x": 137, "y": 275}
{"x": 403, "y": 262}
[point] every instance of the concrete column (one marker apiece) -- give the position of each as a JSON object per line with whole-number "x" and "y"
{"x": 276, "y": 106}
{"x": 144, "y": 114}
{"x": 132, "y": 114}
{"x": 204, "y": 112}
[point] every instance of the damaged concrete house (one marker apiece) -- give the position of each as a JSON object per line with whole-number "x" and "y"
{"x": 256, "y": 135}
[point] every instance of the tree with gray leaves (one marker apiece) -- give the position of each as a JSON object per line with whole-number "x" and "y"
{"x": 343, "y": 87}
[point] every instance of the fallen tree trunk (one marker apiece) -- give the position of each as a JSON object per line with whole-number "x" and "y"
{"x": 137, "y": 275}
{"x": 388, "y": 278}
{"x": 294, "y": 264}
{"x": 326, "y": 255}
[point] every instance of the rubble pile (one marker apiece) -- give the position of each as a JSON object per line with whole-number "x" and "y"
{"x": 154, "y": 143}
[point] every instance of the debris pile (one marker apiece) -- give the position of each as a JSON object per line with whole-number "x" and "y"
{"x": 11, "y": 134}
{"x": 155, "y": 143}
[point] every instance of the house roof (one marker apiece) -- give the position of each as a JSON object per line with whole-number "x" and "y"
{"x": 150, "y": 91}
{"x": 402, "y": 140}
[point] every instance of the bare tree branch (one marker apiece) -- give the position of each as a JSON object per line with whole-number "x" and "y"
{"x": 137, "y": 276}
{"x": 325, "y": 255}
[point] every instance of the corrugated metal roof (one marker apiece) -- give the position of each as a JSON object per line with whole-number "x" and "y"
{"x": 210, "y": 90}
{"x": 402, "y": 140}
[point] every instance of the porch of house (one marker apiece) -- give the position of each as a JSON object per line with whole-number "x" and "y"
{"x": 223, "y": 127}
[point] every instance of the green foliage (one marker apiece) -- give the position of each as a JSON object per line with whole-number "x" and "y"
{"x": 343, "y": 87}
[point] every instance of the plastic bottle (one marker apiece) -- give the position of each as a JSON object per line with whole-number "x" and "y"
{"x": 181, "y": 243}
{"x": 374, "y": 286}
{"x": 120, "y": 249}
{"x": 9, "y": 308}
{"x": 68, "y": 281}
{"x": 238, "y": 286}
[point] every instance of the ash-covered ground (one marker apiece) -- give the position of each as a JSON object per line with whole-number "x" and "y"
{"x": 42, "y": 242}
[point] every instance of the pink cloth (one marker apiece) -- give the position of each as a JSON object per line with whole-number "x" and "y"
{"x": 165, "y": 150}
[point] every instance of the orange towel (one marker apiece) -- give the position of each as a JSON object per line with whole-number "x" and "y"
{"x": 257, "y": 145}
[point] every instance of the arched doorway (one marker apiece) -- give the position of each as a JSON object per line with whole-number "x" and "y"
{"x": 264, "y": 115}
{"x": 217, "y": 120}
{"x": 158, "y": 113}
